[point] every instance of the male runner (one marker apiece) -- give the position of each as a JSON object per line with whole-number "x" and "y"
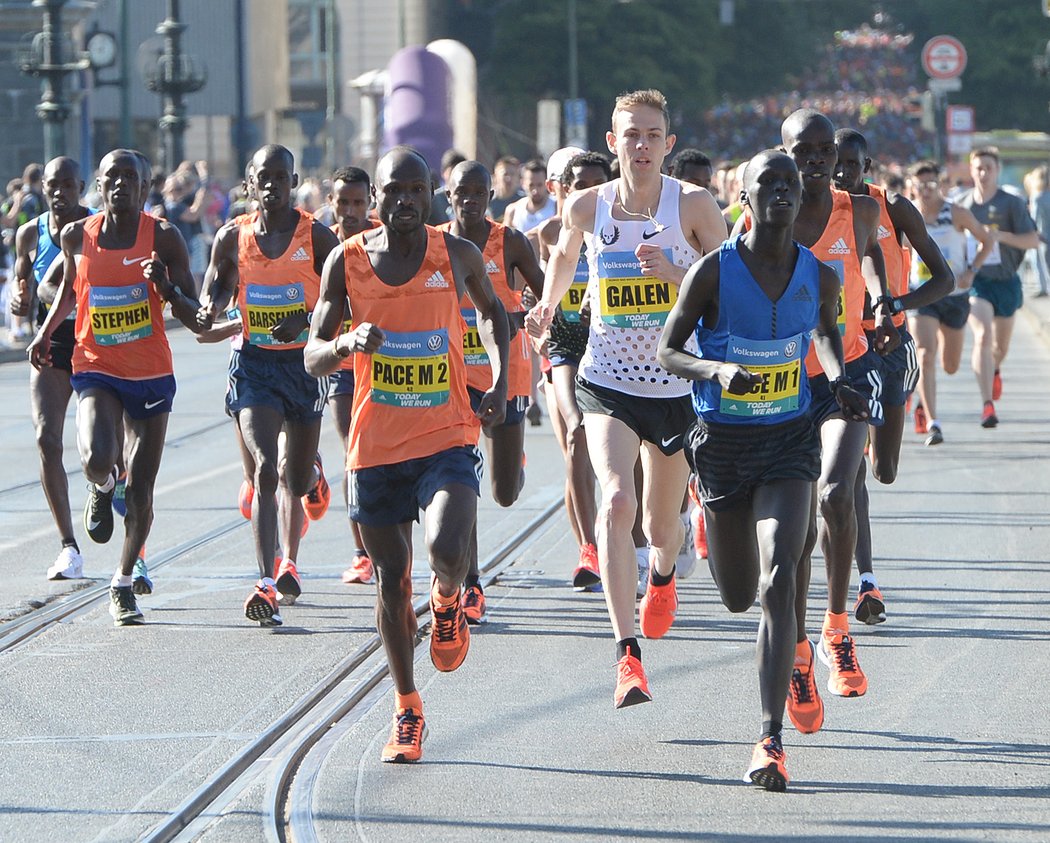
{"x": 350, "y": 199}
{"x": 537, "y": 204}
{"x": 506, "y": 185}
{"x": 693, "y": 166}
{"x": 647, "y": 229}
{"x": 413, "y": 438}
{"x": 898, "y": 218}
{"x": 120, "y": 268}
{"x": 272, "y": 259}
{"x": 942, "y": 322}
{"x": 36, "y": 249}
{"x": 507, "y": 255}
{"x": 754, "y": 447}
{"x": 995, "y": 294}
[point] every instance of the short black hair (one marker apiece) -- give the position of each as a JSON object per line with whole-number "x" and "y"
{"x": 452, "y": 158}
{"x": 351, "y": 175}
{"x": 686, "y": 158}
{"x": 843, "y": 136}
{"x": 535, "y": 164}
{"x": 586, "y": 159}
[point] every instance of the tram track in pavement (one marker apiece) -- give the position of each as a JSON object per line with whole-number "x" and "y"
{"x": 278, "y": 752}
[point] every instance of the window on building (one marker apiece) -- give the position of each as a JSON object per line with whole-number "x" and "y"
{"x": 307, "y": 24}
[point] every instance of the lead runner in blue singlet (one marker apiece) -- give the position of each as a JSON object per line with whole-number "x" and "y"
{"x": 752, "y": 307}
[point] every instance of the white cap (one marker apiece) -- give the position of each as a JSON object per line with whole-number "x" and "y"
{"x": 559, "y": 160}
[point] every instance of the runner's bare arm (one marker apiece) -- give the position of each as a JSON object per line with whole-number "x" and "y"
{"x": 873, "y": 268}
{"x": 703, "y": 223}
{"x": 827, "y": 343}
{"x": 25, "y": 280}
{"x": 964, "y": 220}
{"x": 907, "y": 220}
{"x": 39, "y": 350}
{"x": 698, "y": 299}
{"x": 522, "y": 257}
{"x": 577, "y": 217}
{"x": 220, "y": 279}
{"x": 327, "y": 348}
{"x": 168, "y": 269}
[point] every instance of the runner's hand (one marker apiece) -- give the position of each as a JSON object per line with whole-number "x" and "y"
{"x": 654, "y": 262}
{"x": 206, "y": 316}
{"x": 289, "y": 328}
{"x": 492, "y": 410}
{"x": 735, "y": 379}
{"x": 851, "y": 403}
{"x": 39, "y": 351}
{"x": 366, "y": 338}
{"x": 20, "y": 298}
{"x": 154, "y": 271}
{"x": 964, "y": 280}
{"x": 539, "y": 319}
{"x": 886, "y": 336}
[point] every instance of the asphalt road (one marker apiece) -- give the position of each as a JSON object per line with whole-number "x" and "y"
{"x": 105, "y": 732}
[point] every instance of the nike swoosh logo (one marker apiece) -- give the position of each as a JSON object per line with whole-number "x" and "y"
{"x": 149, "y": 405}
{"x": 134, "y": 260}
{"x": 93, "y": 525}
{"x": 648, "y": 235}
{"x": 664, "y": 443}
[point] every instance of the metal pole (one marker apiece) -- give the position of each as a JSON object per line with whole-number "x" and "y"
{"x": 125, "y": 74}
{"x": 173, "y": 123}
{"x": 52, "y": 108}
{"x": 574, "y": 72}
{"x": 330, "y": 83}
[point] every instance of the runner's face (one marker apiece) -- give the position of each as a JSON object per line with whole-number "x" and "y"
{"x": 587, "y": 176}
{"x": 985, "y": 171}
{"x": 925, "y": 185}
{"x": 470, "y": 195}
{"x": 403, "y": 193}
{"x": 813, "y": 150}
{"x": 698, "y": 174}
{"x": 851, "y": 167}
{"x": 62, "y": 188}
{"x": 535, "y": 185}
{"x": 120, "y": 183}
{"x": 274, "y": 182}
{"x": 507, "y": 178}
{"x": 775, "y": 191}
{"x": 639, "y": 139}
{"x": 351, "y": 206}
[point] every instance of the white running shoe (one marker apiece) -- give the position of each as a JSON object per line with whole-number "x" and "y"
{"x": 643, "y": 569}
{"x": 685, "y": 564}
{"x": 68, "y": 566}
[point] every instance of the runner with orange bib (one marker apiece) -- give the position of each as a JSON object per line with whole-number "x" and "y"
{"x": 273, "y": 257}
{"x": 121, "y": 268}
{"x": 413, "y": 437}
{"x": 507, "y": 255}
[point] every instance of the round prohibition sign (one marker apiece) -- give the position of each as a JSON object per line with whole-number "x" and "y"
{"x": 944, "y": 57}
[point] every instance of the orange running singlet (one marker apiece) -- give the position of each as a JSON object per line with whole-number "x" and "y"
{"x": 347, "y": 365}
{"x": 898, "y": 260}
{"x": 120, "y": 316}
{"x": 410, "y": 397}
{"x": 479, "y": 372}
{"x": 272, "y": 289}
{"x": 836, "y": 248}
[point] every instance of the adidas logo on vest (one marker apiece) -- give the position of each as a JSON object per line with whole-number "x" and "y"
{"x": 839, "y": 247}
{"x": 300, "y": 255}
{"x": 436, "y": 280}
{"x": 491, "y": 267}
{"x": 884, "y": 232}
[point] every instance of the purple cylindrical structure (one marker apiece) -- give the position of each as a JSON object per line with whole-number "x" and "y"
{"x": 416, "y": 111}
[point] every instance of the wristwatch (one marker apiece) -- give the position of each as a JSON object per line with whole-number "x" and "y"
{"x": 893, "y": 305}
{"x": 837, "y": 384}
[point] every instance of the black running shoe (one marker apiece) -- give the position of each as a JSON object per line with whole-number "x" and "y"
{"x": 98, "y": 514}
{"x": 122, "y": 606}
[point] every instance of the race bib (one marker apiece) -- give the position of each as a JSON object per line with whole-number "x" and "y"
{"x": 779, "y": 365}
{"x": 268, "y": 305}
{"x": 571, "y": 301}
{"x": 120, "y": 315}
{"x": 629, "y": 299}
{"x": 411, "y": 370}
{"x": 473, "y": 350}
{"x": 840, "y": 271}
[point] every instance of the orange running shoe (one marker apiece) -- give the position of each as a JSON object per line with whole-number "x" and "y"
{"x": 988, "y": 416}
{"x": 406, "y": 737}
{"x": 699, "y": 532}
{"x": 657, "y": 610}
{"x": 288, "y": 584}
{"x": 261, "y": 606}
{"x": 870, "y": 608}
{"x": 244, "y": 499}
{"x": 767, "y": 768}
{"x": 920, "y": 420}
{"x": 450, "y": 635}
{"x": 631, "y": 685}
{"x": 997, "y": 386}
{"x": 474, "y": 605}
{"x": 804, "y": 705}
{"x": 587, "y": 575}
{"x": 839, "y": 653}
{"x": 316, "y": 501}
{"x": 360, "y": 570}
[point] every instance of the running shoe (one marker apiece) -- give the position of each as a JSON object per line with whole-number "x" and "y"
{"x": 657, "y": 610}
{"x": 696, "y": 518}
{"x": 920, "y": 419}
{"x": 406, "y": 737}
{"x": 261, "y": 606}
{"x": 804, "y": 705}
{"x": 997, "y": 386}
{"x": 123, "y": 608}
{"x": 98, "y": 513}
{"x": 535, "y": 415}
{"x": 244, "y": 499}
{"x": 474, "y": 605}
{"x": 450, "y": 636}
{"x": 839, "y": 653}
{"x": 870, "y": 608}
{"x": 316, "y": 501}
{"x": 587, "y": 574}
{"x": 935, "y": 437}
{"x": 360, "y": 570}
{"x": 988, "y": 416}
{"x": 68, "y": 566}
{"x": 685, "y": 564}
{"x": 631, "y": 685}
{"x": 642, "y": 554}
{"x": 141, "y": 583}
{"x": 120, "y": 506}
{"x": 287, "y": 583}
{"x": 767, "y": 768}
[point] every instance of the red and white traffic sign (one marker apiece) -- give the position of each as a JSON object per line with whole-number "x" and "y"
{"x": 944, "y": 57}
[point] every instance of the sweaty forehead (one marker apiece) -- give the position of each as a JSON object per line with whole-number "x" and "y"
{"x": 273, "y": 161}
{"x": 119, "y": 161}
{"x": 813, "y": 131}
{"x": 644, "y": 117}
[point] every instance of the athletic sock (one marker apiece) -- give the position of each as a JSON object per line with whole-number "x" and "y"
{"x": 771, "y": 729}
{"x": 360, "y": 551}
{"x": 659, "y": 579}
{"x": 933, "y": 423}
{"x": 121, "y": 581}
{"x": 108, "y": 486}
{"x": 268, "y": 581}
{"x": 405, "y": 701}
{"x": 71, "y": 543}
{"x": 472, "y": 581}
{"x": 868, "y": 579}
{"x": 628, "y": 644}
